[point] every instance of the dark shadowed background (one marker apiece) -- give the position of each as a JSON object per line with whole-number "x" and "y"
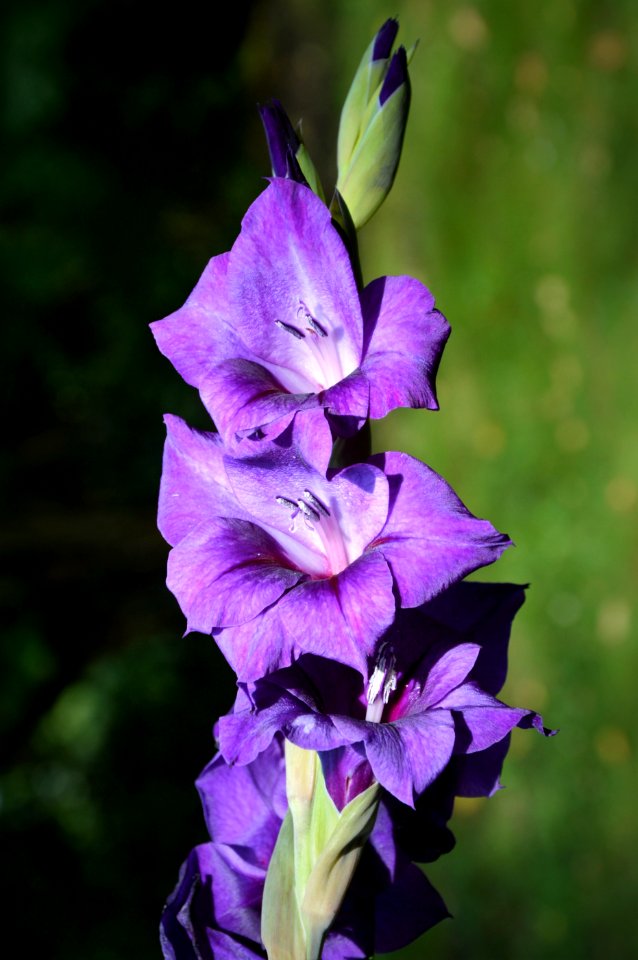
{"x": 131, "y": 149}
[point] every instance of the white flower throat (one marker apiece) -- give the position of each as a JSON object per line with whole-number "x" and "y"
{"x": 311, "y": 512}
{"x": 320, "y": 360}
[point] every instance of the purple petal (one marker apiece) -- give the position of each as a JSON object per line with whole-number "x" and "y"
{"x": 406, "y": 755}
{"x": 225, "y": 572}
{"x": 350, "y": 397}
{"x": 430, "y": 539}
{"x": 244, "y": 735}
{"x": 408, "y": 905}
{"x": 347, "y": 774}
{"x": 340, "y": 618}
{"x": 194, "y": 486}
{"x": 243, "y": 397}
{"x": 405, "y": 337}
{"x": 277, "y": 270}
{"x": 478, "y": 774}
{"x": 448, "y": 672}
{"x": 309, "y": 438}
{"x": 245, "y": 805}
{"x": 255, "y": 648}
{"x": 237, "y": 886}
{"x": 215, "y": 887}
{"x": 483, "y": 720}
{"x": 198, "y": 336}
{"x": 225, "y": 947}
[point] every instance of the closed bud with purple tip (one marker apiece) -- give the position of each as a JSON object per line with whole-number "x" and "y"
{"x": 289, "y": 157}
{"x": 372, "y": 125}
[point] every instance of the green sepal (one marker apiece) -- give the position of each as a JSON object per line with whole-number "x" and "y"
{"x": 335, "y": 865}
{"x": 356, "y": 104}
{"x": 281, "y": 928}
{"x": 366, "y": 182}
{"x": 309, "y": 170}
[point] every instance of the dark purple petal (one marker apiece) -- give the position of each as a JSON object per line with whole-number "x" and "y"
{"x": 194, "y": 486}
{"x": 483, "y": 614}
{"x": 478, "y": 774}
{"x": 199, "y": 335}
{"x": 430, "y": 539}
{"x": 244, "y": 806}
{"x": 243, "y": 397}
{"x": 396, "y": 76}
{"x": 384, "y": 39}
{"x": 215, "y": 887}
{"x": 406, "y": 904}
{"x": 226, "y": 572}
{"x": 405, "y": 337}
{"x": 277, "y": 270}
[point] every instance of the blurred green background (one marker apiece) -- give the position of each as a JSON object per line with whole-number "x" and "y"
{"x": 131, "y": 149}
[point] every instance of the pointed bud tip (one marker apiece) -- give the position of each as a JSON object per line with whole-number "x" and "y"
{"x": 384, "y": 39}
{"x": 396, "y": 76}
{"x": 282, "y": 140}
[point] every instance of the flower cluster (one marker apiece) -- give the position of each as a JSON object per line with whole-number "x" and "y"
{"x": 332, "y": 580}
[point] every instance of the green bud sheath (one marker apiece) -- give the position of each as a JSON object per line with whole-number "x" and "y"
{"x": 366, "y": 182}
{"x": 314, "y": 859}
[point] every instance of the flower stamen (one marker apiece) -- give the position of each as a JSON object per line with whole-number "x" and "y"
{"x": 382, "y": 683}
{"x": 316, "y": 503}
{"x": 297, "y": 334}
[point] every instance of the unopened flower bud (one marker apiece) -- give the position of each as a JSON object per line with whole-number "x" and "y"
{"x": 372, "y": 126}
{"x": 289, "y": 157}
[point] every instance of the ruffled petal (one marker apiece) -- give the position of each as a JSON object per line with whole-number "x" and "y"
{"x": 406, "y": 755}
{"x": 405, "y": 337}
{"x": 430, "y": 539}
{"x": 199, "y": 335}
{"x": 226, "y": 572}
{"x": 243, "y": 398}
{"x": 482, "y": 720}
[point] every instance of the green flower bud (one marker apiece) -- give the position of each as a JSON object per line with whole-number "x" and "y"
{"x": 372, "y": 126}
{"x": 314, "y": 859}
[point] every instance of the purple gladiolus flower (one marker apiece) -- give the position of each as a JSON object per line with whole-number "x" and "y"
{"x": 277, "y": 326}
{"x": 429, "y": 698}
{"x": 278, "y": 556}
{"x": 215, "y": 909}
